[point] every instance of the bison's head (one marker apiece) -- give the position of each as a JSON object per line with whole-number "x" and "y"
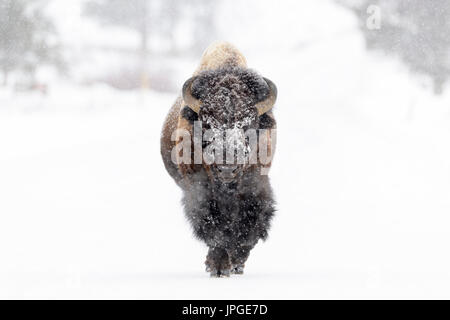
{"x": 229, "y": 102}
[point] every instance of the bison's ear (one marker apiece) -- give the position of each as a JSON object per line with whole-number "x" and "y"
{"x": 189, "y": 100}
{"x": 268, "y": 103}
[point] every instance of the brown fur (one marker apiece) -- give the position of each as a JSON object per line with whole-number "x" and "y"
{"x": 230, "y": 217}
{"x": 217, "y": 55}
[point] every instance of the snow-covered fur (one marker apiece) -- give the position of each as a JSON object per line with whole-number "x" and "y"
{"x": 230, "y": 214}
{"x": 228, "y": 96}
{"x": 229, "y": 218}
{"x": 220, "y": 54}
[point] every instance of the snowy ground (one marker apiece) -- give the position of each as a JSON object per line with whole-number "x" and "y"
{"x": 361, "y": 176}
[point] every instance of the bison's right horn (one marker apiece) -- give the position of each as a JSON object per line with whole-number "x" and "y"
{"x": 269, "y": 102}
{"x": 189, "y": 100}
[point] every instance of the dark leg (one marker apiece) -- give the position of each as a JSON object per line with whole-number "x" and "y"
{"x": 238, "y": 258}
{"x": 218, "y": 262}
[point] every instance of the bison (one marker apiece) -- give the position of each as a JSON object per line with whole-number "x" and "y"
{"x": 228, "y": 203}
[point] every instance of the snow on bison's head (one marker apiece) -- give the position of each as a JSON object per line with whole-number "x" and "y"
{"x": 230, "y": 103}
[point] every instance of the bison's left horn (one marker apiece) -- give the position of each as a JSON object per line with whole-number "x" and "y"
{"x": 269, "y": 102}
{"x": 189, "y": 100}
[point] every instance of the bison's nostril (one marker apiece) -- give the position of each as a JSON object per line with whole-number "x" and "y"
{"x": 227, "y": 169}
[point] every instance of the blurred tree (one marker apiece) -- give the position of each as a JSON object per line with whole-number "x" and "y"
{"x": 133, "y": 14}
{"x": 157, "y": 19}
{"x": 417, "y": 31}
{"x": 27, "y": 37}
{"x": 170, "y": 15}
{"x": 205, "y": 22}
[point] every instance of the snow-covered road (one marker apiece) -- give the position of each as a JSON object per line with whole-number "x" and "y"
{"x": 361, "y": 176}
{"x": 88, "y": 211}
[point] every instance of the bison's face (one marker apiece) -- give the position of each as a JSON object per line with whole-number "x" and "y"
{"x": 229, "y": 102}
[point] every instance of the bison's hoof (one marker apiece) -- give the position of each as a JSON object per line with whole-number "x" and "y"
{"x": 239, "y": 269}
{"x": 220, "y": 273}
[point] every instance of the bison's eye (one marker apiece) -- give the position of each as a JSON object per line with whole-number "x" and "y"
{"x": 266, "y": 122}
{"x": 189, "y": 114}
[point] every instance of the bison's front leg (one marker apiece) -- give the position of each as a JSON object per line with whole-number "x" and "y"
{"x": 218, "y": 262}
{"x": 238, "y": 257}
